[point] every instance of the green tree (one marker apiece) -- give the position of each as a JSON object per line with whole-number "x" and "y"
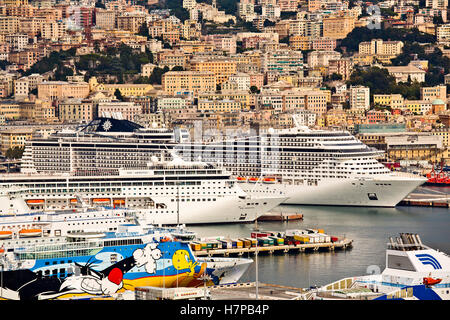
{"x": 15, "y": 152}
{"x": 118, "y": 95}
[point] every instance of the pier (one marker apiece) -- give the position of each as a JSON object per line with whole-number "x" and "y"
{"x": 439, "y": 199}
{"x": 294, "y": 248}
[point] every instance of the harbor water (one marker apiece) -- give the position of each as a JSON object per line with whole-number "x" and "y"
{"x": 369, "y": 228}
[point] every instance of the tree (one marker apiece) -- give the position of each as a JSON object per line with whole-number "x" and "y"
{"x": 118, "y": 95}
{"x": 254, "y": 89}
{"x": 15, "y": 152}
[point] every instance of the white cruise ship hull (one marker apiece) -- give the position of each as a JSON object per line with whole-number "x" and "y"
{"x": 386, "y": 191}
{"x": 224, "y": 210}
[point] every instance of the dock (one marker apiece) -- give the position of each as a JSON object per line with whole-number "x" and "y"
{"x": 294, "y": 248}
{"x": 247, "y": 291}
{"x": 426, "y": 200}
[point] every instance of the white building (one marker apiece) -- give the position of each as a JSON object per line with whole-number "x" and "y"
{"x": 242, "y": 81}
{"x": 359, "y": 97}
{"x": 147, "y": 69}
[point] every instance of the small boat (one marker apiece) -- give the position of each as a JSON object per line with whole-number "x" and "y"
{"x": 269, "y": 180}
{"x": 35, "y": 201}
{"x": 241, "y": 179}
{"x": 253, "y": 180}
{"x": 428, "y": 281}
{"x": 30, "y": 232}
{"x": 100, "y": 200}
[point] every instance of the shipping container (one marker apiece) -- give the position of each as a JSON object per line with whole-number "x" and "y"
{"x": 238, "y": 243}
{"x": 246, "y": 243}
{"x": 196, "y": 246}
{"x": 264, "y": 242}
{"x": 260, "y": 234}
{"x": 252, "y": 241}
{"x": 277, "y": 241}
{"x": 226, "y": 244}
{"x": 302, "y": 238}
{"x": 326, "y": 238}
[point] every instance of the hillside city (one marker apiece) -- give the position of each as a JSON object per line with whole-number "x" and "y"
{"x": 380, "y": 70}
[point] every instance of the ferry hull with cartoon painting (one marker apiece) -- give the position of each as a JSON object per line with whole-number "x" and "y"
{"x": 109, "y": 265}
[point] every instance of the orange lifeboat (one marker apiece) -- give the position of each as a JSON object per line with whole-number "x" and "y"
{"x": 30, "y": 232}
{"x": 428, "y": 281}
{"x": 35, "y": 201}
{"x": 253, "y": 180}
{"x": 5, "y": 234}
{"x": 73, "y": 200}
{"x": 119, "y": 201}
{"x": 241, "y": 179}
{"x": 269, "y": 180}
{"x": 100, "y": 200}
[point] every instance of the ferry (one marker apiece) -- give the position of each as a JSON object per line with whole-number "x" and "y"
{"x": 18, "y": 221}
{"x": 86, "y": 264}
{"x": 413, "y": 271}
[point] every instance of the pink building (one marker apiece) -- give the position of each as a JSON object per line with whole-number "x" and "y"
{"x": 257, "y": 80}
{"x": 323, "y": 44}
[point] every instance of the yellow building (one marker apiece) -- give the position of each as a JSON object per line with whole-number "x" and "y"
{"x": 243, "y": 97}
{"x": 190, "y": 81}
{"x": 380, "y": 50}
{"x": 338, "y": 27}
{"x": 127, "y": 89}
{"x": 298, "y": 42}
{"x": 221, "y": 68}
{"x": 418, "y": 107}
{"x": 395, "y": 101}
{"x": 219, "y": 105}
{"x": 14, "y": 138}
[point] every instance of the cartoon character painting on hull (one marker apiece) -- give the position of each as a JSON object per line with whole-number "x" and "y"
{"x": 149, "y": 265}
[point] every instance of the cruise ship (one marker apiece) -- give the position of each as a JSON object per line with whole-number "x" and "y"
{"x": 413, "y": 271}
{"x": 128, "y": 166}
{"x": 310, "y": 167}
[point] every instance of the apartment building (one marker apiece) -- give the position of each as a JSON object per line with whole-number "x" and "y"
{"x": 359, "y": 97}
{"x": 337, "y": 27}
{"x": 222, "y": 68}
{"x": 105, "y": 19}
{"x": 77, "y": 110}
{"x": 174, "y": 82}
{"x": 58, "y": 90}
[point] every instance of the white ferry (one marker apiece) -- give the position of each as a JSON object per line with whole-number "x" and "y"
{"x": 90, "y": 264}
{"x": 413, "y": 272}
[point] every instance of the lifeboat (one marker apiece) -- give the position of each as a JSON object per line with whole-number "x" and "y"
{"x": 428, "y": 281}
{"x": 253, "y": 180}
{"x": 73, "y": 200}
{"x": 119, "y": 201}
{"x": 269, "y": 180}
{"x": 100, "y": 200}
{"x": 35, "y": 201}
{"x": 241, "y": 179}
{"x": 5, "y": 234}
{"x": 30, "y": 232}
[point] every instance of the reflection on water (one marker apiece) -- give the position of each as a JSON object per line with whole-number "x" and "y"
{"x": 368, "y": 227}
